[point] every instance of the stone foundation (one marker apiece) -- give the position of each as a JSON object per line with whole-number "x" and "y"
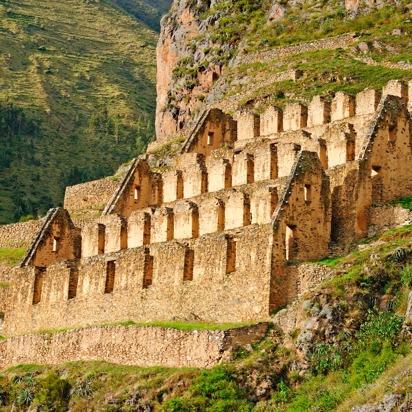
{"x": 130, "y": 345}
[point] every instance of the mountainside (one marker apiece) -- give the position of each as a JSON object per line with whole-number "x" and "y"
{"x": 230, "y": 54}
{"x": 150, "y": 11}
{"x": 77, "y": 95}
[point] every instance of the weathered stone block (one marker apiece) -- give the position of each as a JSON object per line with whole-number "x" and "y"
{"x": 265, "y": 163}
{"x": 194, "y": 174}
{"x": 295, "y": 117}
{"x": 186, "y": 220}
{"x": 271, "y": 121}
{"x": 138, "y": 229}
{"x": 367, "y": 102}
{"x": 162, "y": 225}
{"x": 343, "y": 106}
{"x": 172, "y": 185}
{"x": 237, "y": 210}
{"x": 93, "y": 239}
{"x": 318, "y": 111}
{"x": 115, "y": 234}
{"x": 219, "y": 174}
{"x": 341, "y": 149}
{"x": 248, "y": 126}
{"x": 287, "y": 153}
{"x": 396, "y": 88}
{"x": 211, "y": 216}
{"x": 243, "y": 169}
{"x": 262, "y": 204}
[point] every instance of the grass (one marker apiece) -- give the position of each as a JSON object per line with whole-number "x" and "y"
{"x": 189, "y": 326}
{"x": 332, "y": 262}
{"x": 94, "y": 385}
{"x": 82, "y": 73}
{"x": 405, "y": 203}
{"x": 395, "y": 380}
{"x": 10, "y": 257}
{"x": 324, "y": 72}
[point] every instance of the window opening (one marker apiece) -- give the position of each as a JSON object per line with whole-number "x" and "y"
{"x": 110, "y": 275}
{"x": 189, "y": 265}
{"x": 148, "y": 270}
{"x": 290, "y": 243}
{"x": 308, "y": 193}
{"x": 375, "y": 170}
{"x": 73, "y": 281}
{"x": 231, "y": 256}
{"x": 55, "y": 244}
{"x": 38, "y": 284}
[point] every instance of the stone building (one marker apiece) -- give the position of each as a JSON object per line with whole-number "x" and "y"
{"x": 212, "y": 238}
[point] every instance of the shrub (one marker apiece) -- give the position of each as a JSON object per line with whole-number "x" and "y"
{"x": 26, "y": 218}
{"x": 53, "y": 394}
{"x": 24, "y": 397}
{"x": 406, "y": 276}
{"x": 4, "y": 391}
{"x": 326, "y": 357}
{"x": 379, "y": 328}
{"x": 214, "y": 390}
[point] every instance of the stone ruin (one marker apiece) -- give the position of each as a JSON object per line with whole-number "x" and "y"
{"x": 212, "y": 238}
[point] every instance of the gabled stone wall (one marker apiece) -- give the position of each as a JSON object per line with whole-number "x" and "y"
{"x": 212, "y": 237}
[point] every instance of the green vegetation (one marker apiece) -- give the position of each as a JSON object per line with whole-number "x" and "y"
{"x": 405, "y": 202}
{"x": 242, "y": 28}
{"x": 188, "y": 325}
{"x": 10, "y": 257}
{"x": 86, "y": 386}
{"x": 147, "y": 11}
{"x": 162, "y": 324}
{"x": 75, "y": 75}
{"x": 354, "y": 366}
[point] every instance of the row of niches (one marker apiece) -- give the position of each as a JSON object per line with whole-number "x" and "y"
{"x": 195, "y": 175}
{"x": 224, "y": 210}
{"x": 136, "y": 269}
{"x": 320, "y": 111}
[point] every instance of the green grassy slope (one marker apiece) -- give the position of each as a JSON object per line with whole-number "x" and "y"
{"x": 382, "y": 51}
{"x": 81, "y": 76}
{"x": 148, "y": 11}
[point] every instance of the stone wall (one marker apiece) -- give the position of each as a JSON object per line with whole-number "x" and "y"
{"x": 387, "y": 150}
{"x": 341, "y": 41}
{"x": 90, "y": 195}
{"x": 57, "y": 239}
{"x": 18, "y": 235}
{"x": 212, "y": 238}
{"x": 385, "y": 217}
{"x": 130, "y": 345}
{"x": 208, "y": 279}
{"x": 307, "y": 277}
{"x": 5, "y": 279}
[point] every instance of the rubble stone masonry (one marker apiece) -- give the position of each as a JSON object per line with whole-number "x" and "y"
{"x": 217, "y": 236}
{"x": 130, "y": 345}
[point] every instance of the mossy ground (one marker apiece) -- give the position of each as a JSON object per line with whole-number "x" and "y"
{"x": 10, "y": 257}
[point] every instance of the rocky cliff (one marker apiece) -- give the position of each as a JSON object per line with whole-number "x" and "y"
{"x": 204, "y": 48}
{"x": 176, "y": 96}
